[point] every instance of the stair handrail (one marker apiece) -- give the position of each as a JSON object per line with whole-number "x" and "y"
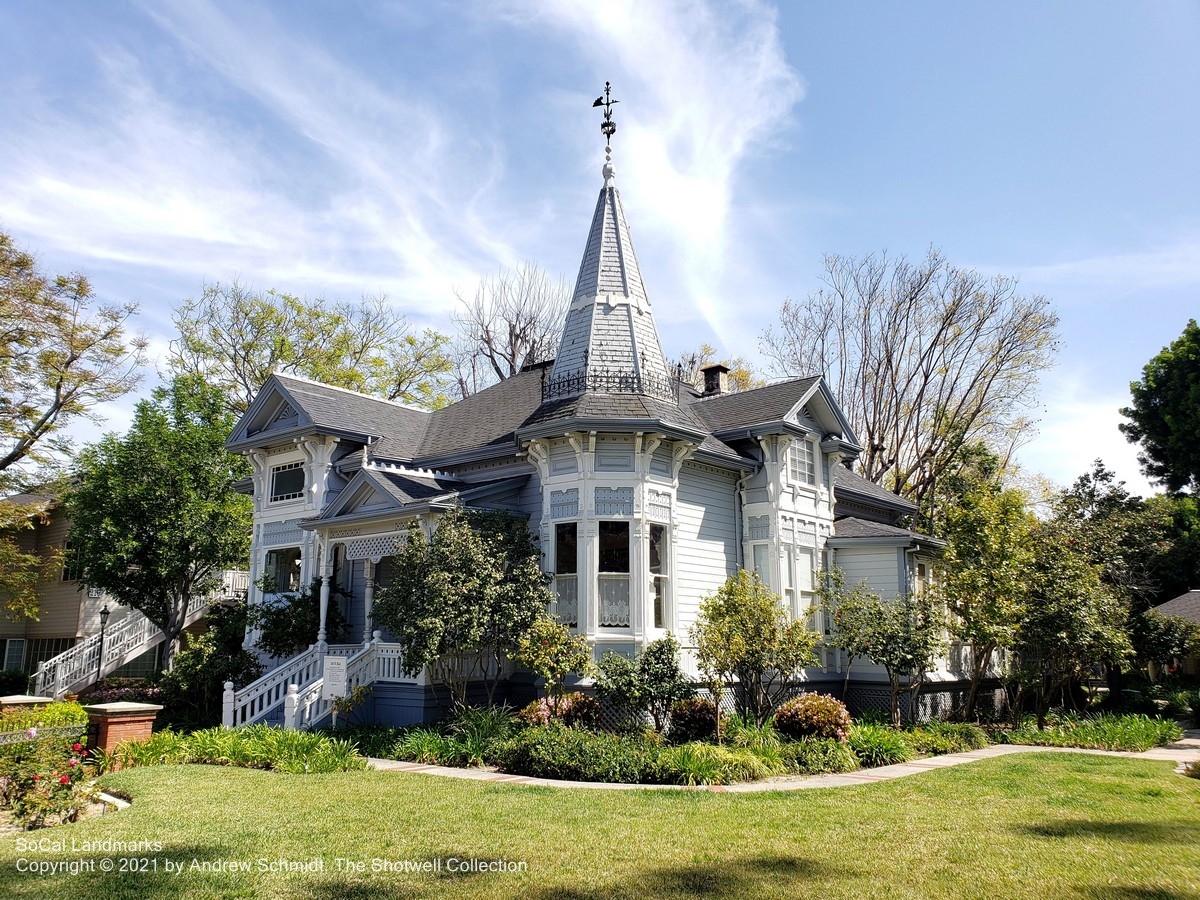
{"x": 79, "y": 664}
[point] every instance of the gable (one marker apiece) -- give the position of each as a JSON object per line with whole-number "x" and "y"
{"x": 274, "y": 410}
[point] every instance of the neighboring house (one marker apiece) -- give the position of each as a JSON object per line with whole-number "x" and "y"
{"x": 68, "y": 610}
{"x": 1186, "y": 606}
{"x": 644, "y": 492}
{"x": 61, "y": 647}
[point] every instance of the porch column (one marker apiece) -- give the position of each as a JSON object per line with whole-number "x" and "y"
{"x": 326, "y": 578}
{"x": 368, "y": 596}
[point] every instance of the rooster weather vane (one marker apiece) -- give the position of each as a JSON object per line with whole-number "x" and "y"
{"x": 608, "y": 127}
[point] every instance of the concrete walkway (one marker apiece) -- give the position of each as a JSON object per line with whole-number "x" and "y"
{"x": 1181, "y": 753}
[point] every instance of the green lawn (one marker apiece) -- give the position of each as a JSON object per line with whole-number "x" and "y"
{"x": 1036, "y": 825}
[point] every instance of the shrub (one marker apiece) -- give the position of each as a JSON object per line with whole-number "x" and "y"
{"x": 428, "y": 746}
{"x": 761, "y": 740}
{"x": 475, "y": 729}
{"x": 13, "y": 681}
{"x": 575, "y": 710}
{"x": 650, "y": 685}
{"x": 52, "y": 715}
{"x": 813, "y": 715}
{"x": 373, "y": 739}
{"x": 123, "y": 690}
{"x": 818, "y": 756}
{"x": 1105, "y": 732}
{"x": 556, "y": 751}
{"x": 287, "y": 623}
{"x": 693, "y": 720}
{"x": 46, "y": 781}
{"x": 249, "y": 746}
{"x": 699, "y": 763}
{"x": 965, "y": 736}
{"x": 879, "y": 745}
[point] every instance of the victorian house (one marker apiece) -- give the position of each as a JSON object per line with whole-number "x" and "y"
{"x": 643, "y": 491}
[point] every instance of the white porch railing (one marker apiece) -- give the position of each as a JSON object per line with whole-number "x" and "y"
{"x": 127, "y": 639}
{"x": 256, "y": 700}
{"x": 305, "y": 707}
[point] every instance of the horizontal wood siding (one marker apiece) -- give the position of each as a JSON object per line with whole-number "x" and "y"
{"x": 705, "y": 542}
{"x": 879, "y": 566}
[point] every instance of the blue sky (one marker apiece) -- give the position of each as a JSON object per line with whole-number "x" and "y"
{"x": 408, "y": 148}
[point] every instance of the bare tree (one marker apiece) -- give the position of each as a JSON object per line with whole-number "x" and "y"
{"x": 924, "y": 358}
{"x": 514, "y": 319}
{"x": 742, "y": 376}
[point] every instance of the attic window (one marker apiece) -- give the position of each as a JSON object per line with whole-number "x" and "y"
{"x": 287, "y": 482}
{"x": 802, "y": 464}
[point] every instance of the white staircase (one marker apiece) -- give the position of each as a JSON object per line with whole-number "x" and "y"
{"x": 126, "y": 640}
{"x": 298, "y": 684}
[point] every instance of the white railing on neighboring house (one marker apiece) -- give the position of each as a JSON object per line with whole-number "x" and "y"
{"x": 305, "y": 707}
{"x": 256, "y": 700}
{"x": 127, "y": 639}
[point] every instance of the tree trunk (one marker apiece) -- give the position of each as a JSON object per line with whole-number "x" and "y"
{"x": 978, "y": 662}
{"x": 1115, "y": 676}
{"x": 895, "y": 703}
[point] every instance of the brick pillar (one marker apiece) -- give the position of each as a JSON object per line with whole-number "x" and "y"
{"x": 117, "y": 722}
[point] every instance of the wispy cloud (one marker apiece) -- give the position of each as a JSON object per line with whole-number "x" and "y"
{"x": 713, "y": 87}
{"x": 1175, "y": 264}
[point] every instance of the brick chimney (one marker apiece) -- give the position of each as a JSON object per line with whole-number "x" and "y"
{"x": 716, "y": 380}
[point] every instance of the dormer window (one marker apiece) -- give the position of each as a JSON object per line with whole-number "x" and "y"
{"x": 287, "y": 482}
{"x": 802, "y": 463}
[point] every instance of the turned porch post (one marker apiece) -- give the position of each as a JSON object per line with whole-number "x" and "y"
{"x": 326, "y": 578}
{"x": 368, "y": 596}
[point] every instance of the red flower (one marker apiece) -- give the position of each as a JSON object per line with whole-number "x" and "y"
{"x": 77, "y": 747}
{"x": 37, "y": 777}
{"x": 65, "y": 779}
{"x": 72, "y": 762}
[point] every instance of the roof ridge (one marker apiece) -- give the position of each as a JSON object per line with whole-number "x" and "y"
{"x": 333, "y": 387}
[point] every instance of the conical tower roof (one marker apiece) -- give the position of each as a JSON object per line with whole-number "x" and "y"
{"x": 609, "y": 342}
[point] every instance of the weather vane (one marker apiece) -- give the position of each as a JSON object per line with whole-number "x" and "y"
{"x": 608, "y": 127}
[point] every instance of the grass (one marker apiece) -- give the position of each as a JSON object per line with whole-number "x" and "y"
{"x": 1034, "y": 825}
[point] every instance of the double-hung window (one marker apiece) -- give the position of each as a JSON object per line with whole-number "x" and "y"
{"x": 802, "y": 463}
{"x": 566, "y": 572}
{"x": 614, "y": 574}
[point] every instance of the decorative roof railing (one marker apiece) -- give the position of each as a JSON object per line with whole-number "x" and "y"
{"x": 608, "y": 381}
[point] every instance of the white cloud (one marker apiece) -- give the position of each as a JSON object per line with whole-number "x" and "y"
{"x": 1176, "y": 264}
{"x": 1080, "y": 427}
{"x": 712, "y": 87}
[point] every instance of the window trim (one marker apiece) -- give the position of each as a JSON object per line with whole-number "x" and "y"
{"x": 276, "y": 497}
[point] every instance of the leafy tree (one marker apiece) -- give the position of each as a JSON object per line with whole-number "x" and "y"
{"x": 236, "y": 337}
{"x": 903, "y": 634}
{"x": 852, "y": 611}
{"x": 155, "y": 517}
{"x": 552, "y": 652}
{"x": 515, "y": 319}
{"x": 983, "y": 579}
{"x": 1071, "y": 621}
{"x": 652, "y": 684}
{"x": 1162, "y": 639}
{"x": 924, "y": 358}
{"x": 60, "y": 356}
{"x": 743, "y": 633}
{"x": 196, "y": 683}
{"x": 1176, "y": 569}
{"x": 287, "y": 624}
{"x": 1165, "y": 414}
{"x": 460, "y": 601}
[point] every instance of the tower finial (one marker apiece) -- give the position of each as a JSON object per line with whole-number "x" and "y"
{"x": 608, "y": 127}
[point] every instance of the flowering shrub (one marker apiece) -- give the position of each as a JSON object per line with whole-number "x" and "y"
{"x": 694, "y": 719}
{"x": 123, "y": 690}
{"x": 46, "y": 781}
{"x": 813, "y": 715}
{"x": 573, "y": 710}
